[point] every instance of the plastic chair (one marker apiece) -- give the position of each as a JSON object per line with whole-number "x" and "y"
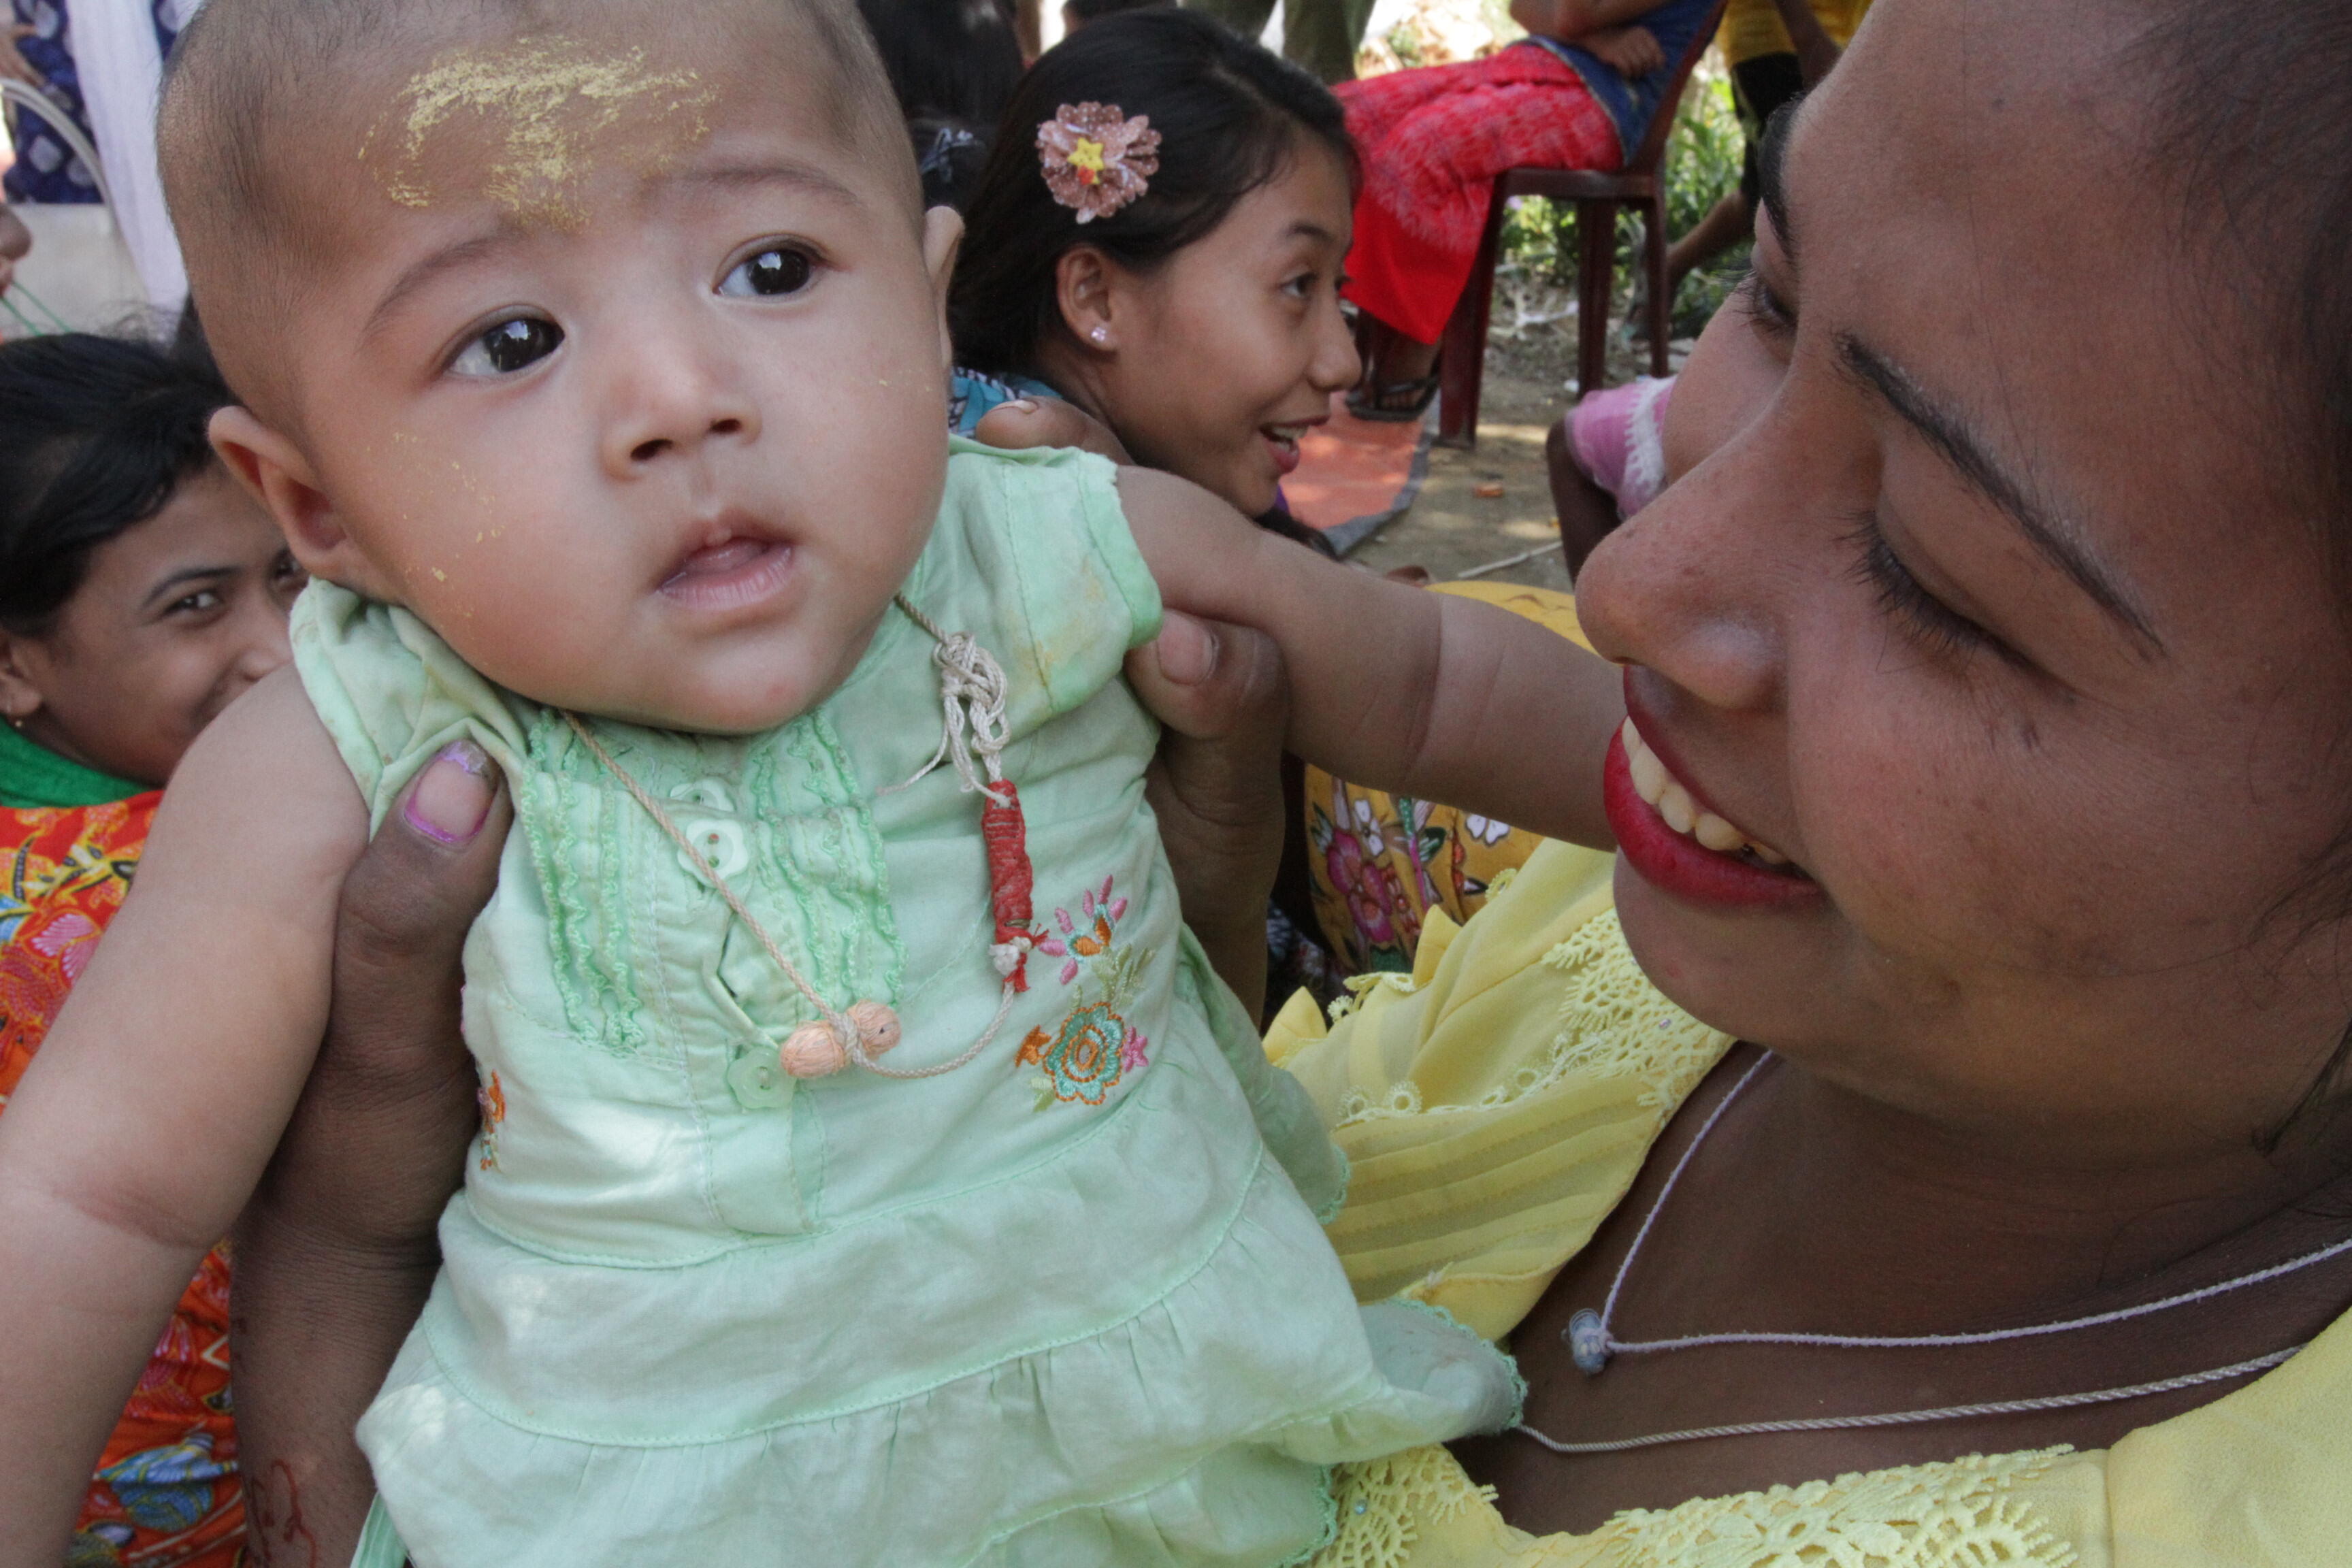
{"x": 1462, "y": 371}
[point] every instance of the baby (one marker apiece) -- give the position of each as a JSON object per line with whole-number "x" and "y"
{"x": 872, "y": 1169}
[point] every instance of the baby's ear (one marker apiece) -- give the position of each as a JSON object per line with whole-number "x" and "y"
{"x": 942, "y": 238}
{"x": 280, "y": 477}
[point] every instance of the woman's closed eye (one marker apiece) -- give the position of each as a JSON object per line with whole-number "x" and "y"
{"x": 771, "y": 272}
{"x": 1938, "y": 629}
{"x": 514, "y": 344}
{"x": 1768, "y": 312}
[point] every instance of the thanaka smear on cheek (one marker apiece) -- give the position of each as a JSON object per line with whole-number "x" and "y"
{"x": 547, "y": 111}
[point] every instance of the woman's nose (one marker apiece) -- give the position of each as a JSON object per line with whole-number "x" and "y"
{"x": 1687, "y": 586}
{"x": 1336, "y": 365}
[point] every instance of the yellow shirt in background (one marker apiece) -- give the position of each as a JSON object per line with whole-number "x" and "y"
{"x": 1753, "y": 27}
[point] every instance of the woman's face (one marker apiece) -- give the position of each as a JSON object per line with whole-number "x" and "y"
{"x": 1991, "y": 599}
{"x": 176, "y": 616}
{"x": 1219, "y": 360}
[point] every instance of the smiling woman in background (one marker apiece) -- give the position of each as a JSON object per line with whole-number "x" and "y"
{"x": 141, "y": 593}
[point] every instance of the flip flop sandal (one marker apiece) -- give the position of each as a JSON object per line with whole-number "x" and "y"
{"x": 1398, "y": 402}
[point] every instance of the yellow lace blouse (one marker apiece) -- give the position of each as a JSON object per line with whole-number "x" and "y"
{"x": 1498, "y": 1104}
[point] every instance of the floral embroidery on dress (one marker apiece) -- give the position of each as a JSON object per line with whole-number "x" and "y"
{"x": 492, "y": 1097}
{"x": 1095, "y": 1047}
{"x": 1958, "y": 1515}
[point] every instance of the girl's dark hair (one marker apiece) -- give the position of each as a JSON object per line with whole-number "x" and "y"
{"x": 95, "y": 435}
{"x": 1229, "y": 117}
{"x": 948, "y": 59}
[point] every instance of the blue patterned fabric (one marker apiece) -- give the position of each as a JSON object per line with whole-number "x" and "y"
{"x": 973, "y": 392}
{"x": 1631, "y": 104}
{"x": 45, "y": 170}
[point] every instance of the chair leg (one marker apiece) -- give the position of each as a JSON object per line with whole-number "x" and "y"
{"x": 1654, "y": 253}
{"x": 1596, "y": 242}
{"x": 1461, "y": 356}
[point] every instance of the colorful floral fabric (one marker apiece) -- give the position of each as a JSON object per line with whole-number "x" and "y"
{"x": 1379, "y": 863}
{"x": 165, "y": 1494}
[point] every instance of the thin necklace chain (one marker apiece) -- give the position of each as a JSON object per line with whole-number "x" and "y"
{"x": 1593, "y": 1345}
{"x": 1911, "y": 1417}
{"x": 1597, "y": 1332}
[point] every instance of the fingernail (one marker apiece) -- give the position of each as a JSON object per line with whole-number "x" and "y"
{"x": 1188, "y": 651}
{"x": 452, "y": 800}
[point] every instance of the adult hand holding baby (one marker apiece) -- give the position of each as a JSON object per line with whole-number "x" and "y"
{"x": 337, "y": 1251}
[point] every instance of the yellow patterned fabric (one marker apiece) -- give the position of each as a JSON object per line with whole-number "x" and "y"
{"x": 1753, "y": 27}
{"x": 1379, "y": 863}
{"x": 1497, "y": 1104}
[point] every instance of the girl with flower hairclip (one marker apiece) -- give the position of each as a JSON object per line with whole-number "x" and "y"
{"x": 1154, "y": 274}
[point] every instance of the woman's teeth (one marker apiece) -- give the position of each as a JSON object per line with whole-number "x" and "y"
{"x": 1673, "y": 802}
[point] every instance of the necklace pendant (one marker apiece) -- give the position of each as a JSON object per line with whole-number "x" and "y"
{"x": 1588, "y": 1342}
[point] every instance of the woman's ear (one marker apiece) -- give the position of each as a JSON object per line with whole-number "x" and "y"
{"x": 942, "y": 242}
{"x": 20, "y": 697}
{"x": 1081, "y": 285}
{"x": 280, "y": 477}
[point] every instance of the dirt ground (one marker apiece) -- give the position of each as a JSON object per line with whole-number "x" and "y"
{"x": 1449, "y": 529}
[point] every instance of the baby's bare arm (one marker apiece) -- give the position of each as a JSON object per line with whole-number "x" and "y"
{"x": 1394, "y": 687}
{"x": 158, "y": 1096}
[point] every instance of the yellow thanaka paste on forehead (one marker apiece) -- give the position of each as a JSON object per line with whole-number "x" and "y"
{"x": 551, "y": 111}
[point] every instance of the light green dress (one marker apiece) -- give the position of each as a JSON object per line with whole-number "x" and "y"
{"x": 1070, "y": 1304}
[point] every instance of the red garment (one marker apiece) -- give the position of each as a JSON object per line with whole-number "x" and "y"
{"x": 167, "y": 1493}
{"x": 1433, "y": 139}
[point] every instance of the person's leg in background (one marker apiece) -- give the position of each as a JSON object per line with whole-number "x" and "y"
{"x": 1324, "y": 35}
{"x": 1760, "y": 88}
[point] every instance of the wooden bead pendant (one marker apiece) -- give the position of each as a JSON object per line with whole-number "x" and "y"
{"x": 813, "y": 1051}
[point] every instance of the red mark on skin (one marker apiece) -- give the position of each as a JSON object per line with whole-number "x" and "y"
{"x": 274, "y": 1524}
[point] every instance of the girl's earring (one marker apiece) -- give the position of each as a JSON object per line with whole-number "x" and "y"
{"x": 1100, "y": 335}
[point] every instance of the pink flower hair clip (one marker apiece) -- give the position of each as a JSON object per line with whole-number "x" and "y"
{"x": 1097, "y": 160}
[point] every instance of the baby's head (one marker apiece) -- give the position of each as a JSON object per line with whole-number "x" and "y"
{"x": 605, "y": 335}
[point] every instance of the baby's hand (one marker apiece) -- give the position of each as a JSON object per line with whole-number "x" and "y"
{"x": 1028, "y": 422}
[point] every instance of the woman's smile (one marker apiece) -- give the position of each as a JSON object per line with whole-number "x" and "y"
{"x": 1282, "y": 441}
{"x": 1681, "y": 845}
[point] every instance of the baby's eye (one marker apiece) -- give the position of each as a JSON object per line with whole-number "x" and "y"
{"x": 781, "y": 270}
{"x": 509, "y": 347}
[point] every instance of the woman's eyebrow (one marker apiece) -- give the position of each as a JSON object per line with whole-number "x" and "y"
{"x": 2053, "y": 538}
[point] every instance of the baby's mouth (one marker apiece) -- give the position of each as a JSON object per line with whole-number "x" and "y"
{"x": 730, "y": 572}
{"x": 1674, "y": 803}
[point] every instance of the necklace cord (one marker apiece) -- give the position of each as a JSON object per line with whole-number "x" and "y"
{"x": 1599, "y": 1343}
{"x": 969, "y": 680}
{"x": 1914, "y": 1417}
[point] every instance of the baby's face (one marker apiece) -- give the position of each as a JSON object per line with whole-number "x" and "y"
{"x": 634, "y": 392}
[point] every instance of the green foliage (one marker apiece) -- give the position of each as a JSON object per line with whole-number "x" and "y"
{"x": 1703, "y": 162}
